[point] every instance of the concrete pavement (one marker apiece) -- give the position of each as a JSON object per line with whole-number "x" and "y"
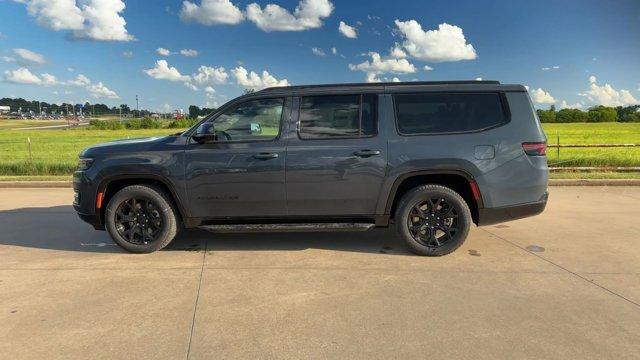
{"x": 565, "y": 284}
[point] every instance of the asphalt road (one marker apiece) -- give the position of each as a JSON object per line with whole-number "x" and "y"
{"x": 565, "y": 284}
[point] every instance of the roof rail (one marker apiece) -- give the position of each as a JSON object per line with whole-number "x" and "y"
{"x": 412, "y": 83}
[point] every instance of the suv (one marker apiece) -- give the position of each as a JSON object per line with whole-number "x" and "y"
{"x": 431, "y": 157}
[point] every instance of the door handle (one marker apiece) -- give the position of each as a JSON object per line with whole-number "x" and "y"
{"x": 367, "y": 153}
{"x": 265, "y": 156}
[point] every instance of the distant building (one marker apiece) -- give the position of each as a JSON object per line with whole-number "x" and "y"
{"x": 4, "y": 109}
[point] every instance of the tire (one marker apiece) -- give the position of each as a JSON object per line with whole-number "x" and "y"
{"x": 147, "y": 229}
{"x": 415, "y": 218}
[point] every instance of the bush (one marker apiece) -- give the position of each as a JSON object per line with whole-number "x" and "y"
{"x": 146, "y": 123}
{"x": 105, "y": 125}
{"x": 182, "y": 123}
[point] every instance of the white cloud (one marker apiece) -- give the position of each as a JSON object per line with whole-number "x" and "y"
{"x": 189, "y": 52}
{"x": 127, "y": 54}
{"x": 542, "y": 97}
{"x": 210, "y": 75}
{"x": 56, "y": 14}
{"x": 22, "y": 76}
{"x": 397, "y": 52}
{"x": 103, "y": 21}
{"x": 307, "y": 15}
{"x": 166, "y": 108}
{"x": 608, "y": 96}
{"x": 480, "y": 79}
{"x": 100, "y": 91}
{"x": 211, "y": 12}
{"x": 163, "y": 52}
{"x": 427, "y": 68}
{"x": 209, "y": 90}
{"x": 371, "y": 78}
{"x": 447, "y": 43}
{"x": 378, "y": 66}
{"x": 48, "y": 79}
{"x": 162, "y": 71}
{"x": 27, "y": 57}
{"x": 191, "y": 86}
{"x": 70, "y": 69}
{"x": 565, "y": 105}
{"x": 347, "y": 31}
{"x": 80, "y": 80}
{"x": 88, "y": 19}
{"x": 254, "y": 81}
{"x": 334, "y": 51}
{"x": 318, "y": 51}
{"x": 556, "y": 67}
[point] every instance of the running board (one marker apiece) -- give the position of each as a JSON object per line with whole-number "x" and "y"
{"x": 295, "y": 227}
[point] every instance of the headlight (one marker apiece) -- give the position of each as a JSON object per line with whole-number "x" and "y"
{"x": 84, "y": 163}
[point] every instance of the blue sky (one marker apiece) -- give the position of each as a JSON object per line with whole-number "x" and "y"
{"x": 569, "y": 53}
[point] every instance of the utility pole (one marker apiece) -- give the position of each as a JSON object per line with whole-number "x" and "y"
{"x": 39, "y": 109}
{"x": 137, "y": 106}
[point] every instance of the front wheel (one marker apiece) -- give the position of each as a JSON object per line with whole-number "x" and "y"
{"x": 141, "y": 219}
{"x": 433, "y": 220}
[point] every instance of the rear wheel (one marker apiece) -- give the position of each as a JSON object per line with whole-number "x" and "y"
{"x": 141, "y": 219}
{"x": 433, "y": 220}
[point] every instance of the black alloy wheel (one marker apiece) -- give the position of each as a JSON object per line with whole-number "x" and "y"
{"x": 141, "y": 218}
{"x": 433, "y": 220}
{"x": 138, "y": 221}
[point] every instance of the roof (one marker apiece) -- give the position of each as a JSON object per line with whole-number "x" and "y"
{"x": 461, "y": 85}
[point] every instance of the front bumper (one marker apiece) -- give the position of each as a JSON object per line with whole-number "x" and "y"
{"x": 84, "y": 200}
{"x": 490, "y": 216}
{"x": 93, "y": 220}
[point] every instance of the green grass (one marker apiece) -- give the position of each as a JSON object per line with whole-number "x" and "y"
{"x": 593, "y": 133}
{"x": 55, "y": 152}
{"x": 6, "y": 124}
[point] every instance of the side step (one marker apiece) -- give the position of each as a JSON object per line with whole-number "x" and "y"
{"x": 295, "y": 227}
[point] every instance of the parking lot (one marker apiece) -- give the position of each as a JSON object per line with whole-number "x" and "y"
{"x": 565, "y": 284}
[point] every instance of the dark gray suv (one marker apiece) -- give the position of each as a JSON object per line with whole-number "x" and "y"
{"x": 430, "y": 157}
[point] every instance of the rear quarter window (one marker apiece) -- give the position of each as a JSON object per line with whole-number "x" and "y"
{"x": 448, "y": 113}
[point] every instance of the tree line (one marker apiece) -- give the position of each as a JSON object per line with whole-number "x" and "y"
{"x": 22, "y": 105}
{"x": 593, "y": 114}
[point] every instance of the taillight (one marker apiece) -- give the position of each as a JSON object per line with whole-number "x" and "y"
{"x": 535, "y": 148}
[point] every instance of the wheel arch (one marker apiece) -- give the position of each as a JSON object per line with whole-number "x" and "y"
{"x": 460, "y": 181}
{"x": 110, "y": 186}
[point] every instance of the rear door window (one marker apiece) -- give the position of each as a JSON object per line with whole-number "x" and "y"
{"x": 337, "y": 116}
{"x": 447, "y": 113}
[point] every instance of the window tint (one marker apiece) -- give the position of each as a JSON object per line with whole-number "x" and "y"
{"x": 441, "y": 113}
{"x": 324, "y": 117}
{"x": 251, "y": 120}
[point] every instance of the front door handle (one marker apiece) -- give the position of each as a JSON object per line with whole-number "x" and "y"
{"x": 265, "y": 156}
{"x": 367, "y": 153}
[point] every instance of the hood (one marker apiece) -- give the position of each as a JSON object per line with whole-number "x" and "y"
{"x": 124, "y": 145}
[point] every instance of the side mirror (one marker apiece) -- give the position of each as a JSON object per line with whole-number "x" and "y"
{"x": 205, "y": 133}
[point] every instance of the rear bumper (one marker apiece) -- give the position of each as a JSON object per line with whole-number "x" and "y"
{"x": 490, "y": 216}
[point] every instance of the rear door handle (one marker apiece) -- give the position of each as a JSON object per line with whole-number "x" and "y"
{"x": 265, "y": 156}
{"x": 367, "y": 153}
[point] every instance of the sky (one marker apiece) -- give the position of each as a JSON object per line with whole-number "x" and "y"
{"x": 205, "y": 52}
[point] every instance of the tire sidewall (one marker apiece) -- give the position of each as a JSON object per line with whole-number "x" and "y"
{"x": 422, "y": 194}
{"x": 166, "y": 212}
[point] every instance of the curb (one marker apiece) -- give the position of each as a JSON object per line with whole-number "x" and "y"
{"x": 594, "y": 182}
{"x": 35, "y": 184}
{"x": 552, "y": 182}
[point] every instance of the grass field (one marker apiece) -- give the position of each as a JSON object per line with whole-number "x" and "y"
{"x": 17, "y": 124}
{"x": 55, "y": 152}
{"x": 594, "y": 133}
